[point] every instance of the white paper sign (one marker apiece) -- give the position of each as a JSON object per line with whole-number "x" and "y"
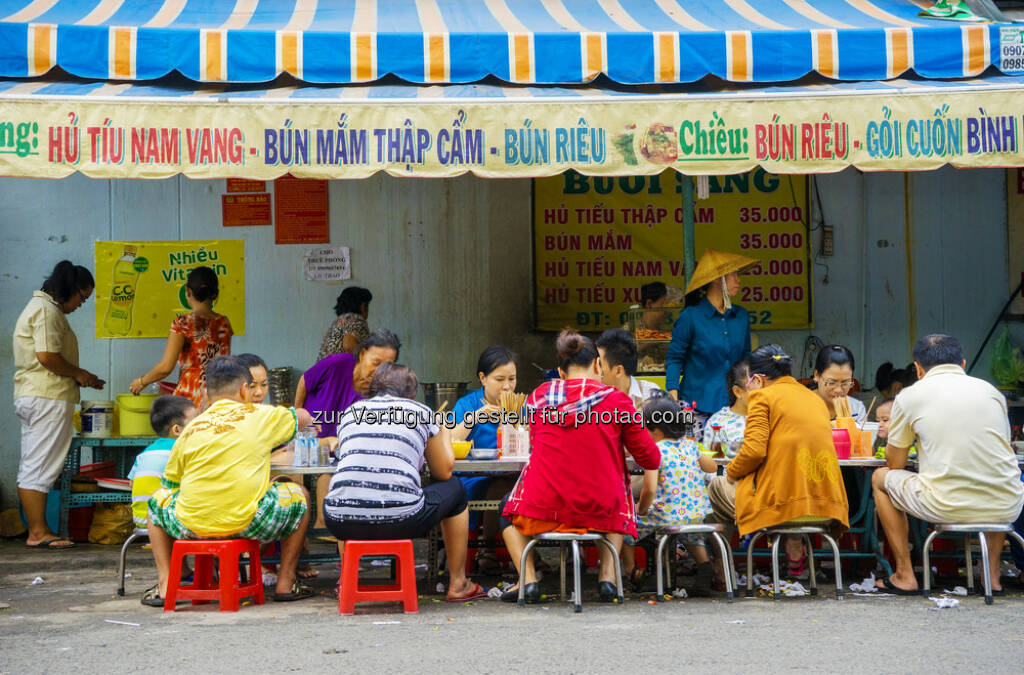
{"x": 327, "y": 264}
{"x": 1011, "y": 49}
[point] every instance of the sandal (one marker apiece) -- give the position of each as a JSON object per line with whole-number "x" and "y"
{"x": 488, "y": 565}
{"x": 299, "y": 591}
{"x": 475, "y": 593}
{"x": 151, "y": 598}
{"x": 636, "y": 579}
{"x": 798, "y": 567}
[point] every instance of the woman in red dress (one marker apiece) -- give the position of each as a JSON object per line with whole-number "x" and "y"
{"x": 576, "y": 479}
{"x": 195, "y": 338}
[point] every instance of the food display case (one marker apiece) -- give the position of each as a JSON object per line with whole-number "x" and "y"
{"x": 652, "y": 330}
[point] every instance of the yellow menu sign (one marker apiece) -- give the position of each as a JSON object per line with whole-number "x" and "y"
{"x": 597, "y": 240}
{"x": 140, "y": 285}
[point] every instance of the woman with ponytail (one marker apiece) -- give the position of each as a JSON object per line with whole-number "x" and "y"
{"x": 46, "y": 389}
{"x": 195, "y": 338}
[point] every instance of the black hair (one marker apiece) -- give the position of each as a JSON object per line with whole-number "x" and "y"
{"x": 394, "y": 380}
{"x": 938, "y": 349}
{"x": 886, "y": 376}
{"x": 202, "y": 281}
{"x": 494, "y": 357}
{"x": 381, "y": 337}
{"x": 168, "y": 411}
{"x": 351, "y": 300}
{"x": 251, "y": 361}
{"x": 619, "y": 349}
{"x": 574, "y": 349}
{"x": 833, "y": 355}
{"x": 663, "y": 413}
{"x": 226, "y": 374}
{"x": 771, "y": 361}
{"x": 888, "y": 401}
{"x": 66, "y": 279}
{"x": 652, "y": 292}
{"x": 737, "y": 376}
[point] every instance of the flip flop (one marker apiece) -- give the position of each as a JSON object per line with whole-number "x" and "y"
{"x": 298, "y": 592}
{"x": 47, "y": 544}
{"x": 475, "y": 594}
{"x": 896, "y": 590}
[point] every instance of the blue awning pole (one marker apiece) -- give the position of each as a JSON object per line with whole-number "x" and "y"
{"x": 688, "y": 246}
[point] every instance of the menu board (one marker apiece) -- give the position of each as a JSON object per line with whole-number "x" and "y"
{"x": 597, "y": 240}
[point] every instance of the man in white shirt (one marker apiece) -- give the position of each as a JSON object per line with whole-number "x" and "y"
{"x": 967, "y": 469}
{"x": 617, "y": 353}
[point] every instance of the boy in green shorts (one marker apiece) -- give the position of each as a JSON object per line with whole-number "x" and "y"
{"x": 217, "y": 481}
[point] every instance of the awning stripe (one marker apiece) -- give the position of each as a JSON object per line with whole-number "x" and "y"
{"x": 543, "y": 41}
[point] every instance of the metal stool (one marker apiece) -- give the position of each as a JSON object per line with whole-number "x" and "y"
{"x": 805, "y": 530}
{"x": 967, "y": 529}
{"x": 667, "y": 534}
{"x": 563, "y": 538}
{"x": 137, "y": 534}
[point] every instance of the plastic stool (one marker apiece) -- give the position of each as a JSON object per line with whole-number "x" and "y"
{"x": 805, "y": 529}
{"x": 202, "y": 590}
{"x": 967, "y": 529}
{"x": 666, "y": 534}
{"x": 404, "y": 588}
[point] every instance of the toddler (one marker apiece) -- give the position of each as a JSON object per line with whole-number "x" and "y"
{"x": 723, "y": 433}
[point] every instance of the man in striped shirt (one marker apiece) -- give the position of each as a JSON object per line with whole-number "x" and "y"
{"x": 168, "y": 417}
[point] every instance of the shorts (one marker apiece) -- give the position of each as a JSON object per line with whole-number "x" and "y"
{"x": 277, "y": 516}
{"x": 904, "y": 489}
{"x": 441, "y": 500}
{"x": 46, "y": 431}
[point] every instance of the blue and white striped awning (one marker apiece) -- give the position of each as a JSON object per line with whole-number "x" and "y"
{"x": 460, "y": 41}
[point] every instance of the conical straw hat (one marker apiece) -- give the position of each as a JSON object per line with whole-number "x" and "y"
{"x": 714, "y": 264}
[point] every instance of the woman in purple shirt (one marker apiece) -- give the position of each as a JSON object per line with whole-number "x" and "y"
{"x": 337, "y": 381}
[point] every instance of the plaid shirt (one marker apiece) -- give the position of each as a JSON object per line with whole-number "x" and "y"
{"x": 553, "y": 394}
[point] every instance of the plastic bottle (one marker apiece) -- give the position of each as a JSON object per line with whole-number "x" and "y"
{"x": 122, "y": 294}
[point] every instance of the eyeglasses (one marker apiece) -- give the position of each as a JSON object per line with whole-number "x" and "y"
{"x": 82, "y": 296}
{"x": 832, "y": 384}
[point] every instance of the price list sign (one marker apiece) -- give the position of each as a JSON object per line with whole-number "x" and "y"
{"x": 598, "y": 239}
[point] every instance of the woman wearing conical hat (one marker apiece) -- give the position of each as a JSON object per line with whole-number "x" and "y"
{"x": 710, "y": 336}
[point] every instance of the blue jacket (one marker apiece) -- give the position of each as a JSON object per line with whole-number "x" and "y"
{"x": 705, "y": 344}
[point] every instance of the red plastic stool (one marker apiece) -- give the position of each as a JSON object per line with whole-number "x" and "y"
{"x": 404, "y": 588}
{"x": 202, "y": 590}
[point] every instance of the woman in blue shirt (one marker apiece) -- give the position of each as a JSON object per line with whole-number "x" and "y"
{"x": 710, "y": 336}
{"x": 475, "y": 413}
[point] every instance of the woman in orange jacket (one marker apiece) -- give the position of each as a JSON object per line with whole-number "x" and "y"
{"x": 786, "y": 468}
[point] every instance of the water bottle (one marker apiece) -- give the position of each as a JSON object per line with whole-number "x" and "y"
{"x": 302, "y": 448}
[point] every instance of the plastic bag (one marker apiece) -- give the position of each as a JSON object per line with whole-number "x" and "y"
{"x": 1007, "y": 362}
{"x": 111, "y": 524}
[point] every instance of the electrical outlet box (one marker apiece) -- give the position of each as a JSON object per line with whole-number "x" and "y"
{"x": 827, "y": 241}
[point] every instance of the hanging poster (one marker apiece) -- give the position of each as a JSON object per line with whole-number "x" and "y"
{"x": 245, "y": 209}
{"x": 597, "y": 240}
{"x": 300, "y": 211}
{"x": 327, "y": 264}
{"x": 140, "y": 285}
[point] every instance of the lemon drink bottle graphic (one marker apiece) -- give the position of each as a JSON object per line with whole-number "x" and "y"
{"x": 122, "y": 294}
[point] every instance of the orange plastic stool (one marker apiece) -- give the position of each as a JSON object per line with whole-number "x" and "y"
{"x": 404, "y": 588}
{"x": 202, "y": 589}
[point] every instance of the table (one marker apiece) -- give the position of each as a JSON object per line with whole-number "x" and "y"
{"x": 121, "y": 449}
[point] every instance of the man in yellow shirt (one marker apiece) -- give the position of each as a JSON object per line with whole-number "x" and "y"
{"x": 217, "y": 481}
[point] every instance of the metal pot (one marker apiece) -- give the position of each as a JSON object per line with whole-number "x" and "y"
{"x": 436, "y": 393}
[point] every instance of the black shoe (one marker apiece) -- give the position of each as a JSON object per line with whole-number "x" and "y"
{"x": 607, "y": 592}
{"x": 531, "y": 593}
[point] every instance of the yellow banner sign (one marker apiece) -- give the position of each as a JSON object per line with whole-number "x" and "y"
{"x": 800, "y": 132}
{"x": 140, "y": 285}
{"x": 597, "y": 240}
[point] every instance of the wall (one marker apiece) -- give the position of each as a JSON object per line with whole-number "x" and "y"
{"x": 449, "y": 264}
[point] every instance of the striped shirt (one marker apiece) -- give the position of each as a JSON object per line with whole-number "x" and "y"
{"x": 380, "y": 457}
{"x": 145, "y": 476}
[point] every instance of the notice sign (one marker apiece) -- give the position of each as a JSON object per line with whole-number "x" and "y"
{"x": 246, "y": 185}
{"x": 598, "y": 239}
{"x": 237, "y": 210}
{"x": 1011, "y": 49}
{"x": 300, "y": 211}
{"x": 328, "y": 264}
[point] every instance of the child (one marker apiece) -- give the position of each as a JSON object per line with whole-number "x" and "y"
{"x": 168, "y": 416}
{"x": 883, "y": 414}
{"x": 723, "y": 433}
{"x": 674, "y": 493}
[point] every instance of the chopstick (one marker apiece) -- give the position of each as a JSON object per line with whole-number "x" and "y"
{"x": 866, "y": 414}
{"x": 443, "y": 406}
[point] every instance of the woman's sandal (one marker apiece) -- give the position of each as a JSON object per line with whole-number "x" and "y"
{"x": 797, "y": 567}
{"x": 151, "y": 597}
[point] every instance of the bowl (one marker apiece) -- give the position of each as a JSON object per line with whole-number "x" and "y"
{"x": 484, "y": 453}
{"x": 461, "y": 448}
